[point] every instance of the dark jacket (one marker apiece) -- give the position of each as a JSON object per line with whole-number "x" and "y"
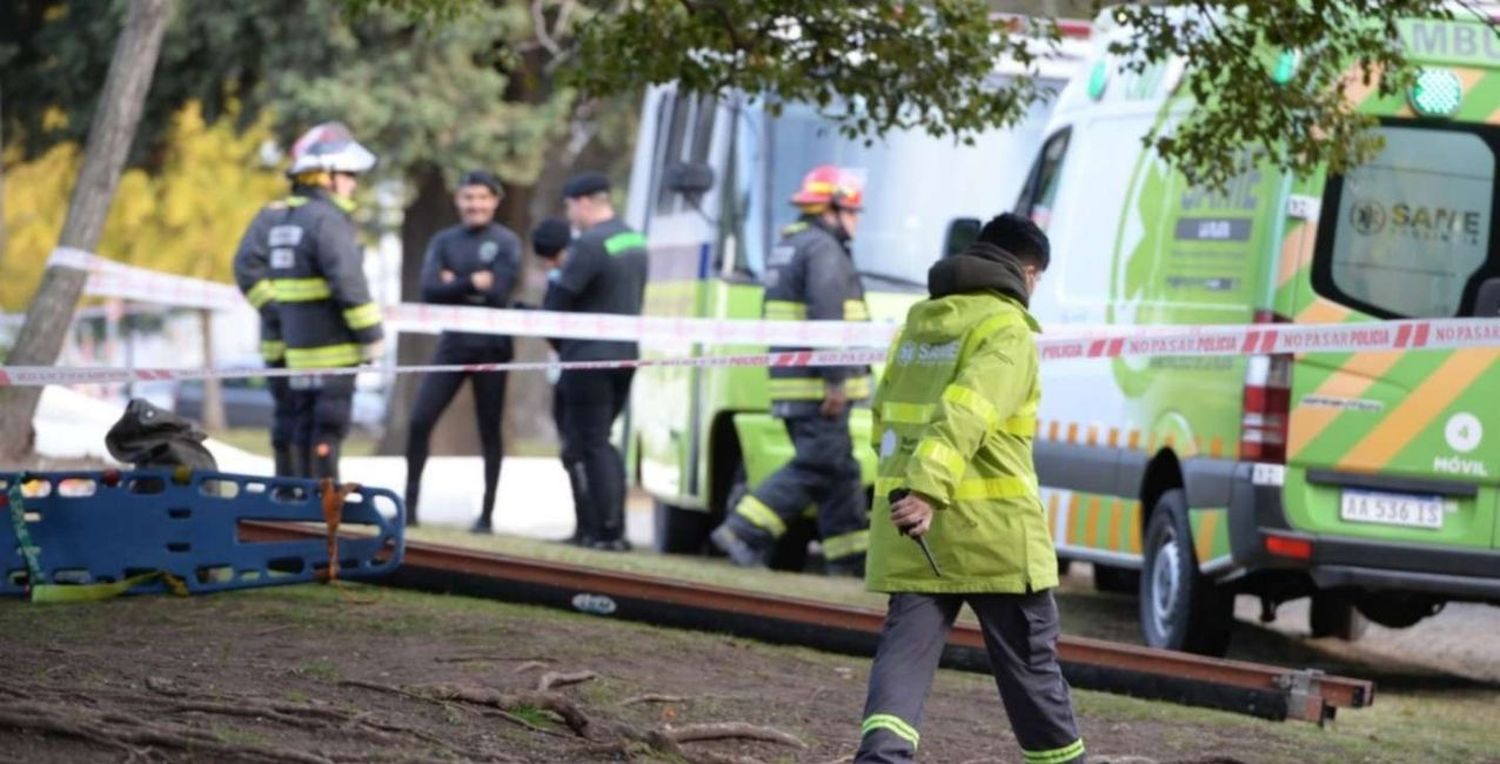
{"x": 464, "y": 251}
{"x": 252, "y": 273}
{"x": 810, "y": 276}
{"x": 605, "y": 273}
{"x": 318, "y": 282}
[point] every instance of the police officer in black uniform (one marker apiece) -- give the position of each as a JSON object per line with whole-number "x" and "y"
{"x": 810, "y": 276}
{"x": 550, "y": 240}
{"x": 474, "y": 263}
{"x": 323, "y": 304}
{"x": 604, "y": 272}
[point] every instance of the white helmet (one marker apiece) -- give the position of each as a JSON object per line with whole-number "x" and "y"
{"x": 329, "y": 147}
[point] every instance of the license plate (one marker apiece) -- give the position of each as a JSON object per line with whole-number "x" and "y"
{"x": 1392, "y": 509}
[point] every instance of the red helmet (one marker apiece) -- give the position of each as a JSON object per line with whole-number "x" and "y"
{"x": 827, "y": 184}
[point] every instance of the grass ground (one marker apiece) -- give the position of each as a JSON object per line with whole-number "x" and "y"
{"x": 317, "y": 674}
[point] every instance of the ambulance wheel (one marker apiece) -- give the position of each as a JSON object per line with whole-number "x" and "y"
{"x": 676, "y": 530}
{"x": 1332, "y": 614}
{"x": 1180, "y": 609}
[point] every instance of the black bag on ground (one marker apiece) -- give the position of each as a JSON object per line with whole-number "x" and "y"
{"x": 148, "y": 437}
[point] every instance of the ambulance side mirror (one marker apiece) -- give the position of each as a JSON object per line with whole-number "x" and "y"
{"x": 961, "y": 233}
{"x": 1487, "y": 302}
{"x": 690, "y": 179}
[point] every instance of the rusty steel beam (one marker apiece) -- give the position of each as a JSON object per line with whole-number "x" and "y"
{"x": 1267, "y": 691}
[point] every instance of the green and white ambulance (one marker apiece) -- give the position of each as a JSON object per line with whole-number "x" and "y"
{"x": 709, "y": 188}
{"x": 1367, "y": 481}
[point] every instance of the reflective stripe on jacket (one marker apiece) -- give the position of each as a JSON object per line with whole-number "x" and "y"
{"x": 317, "y": 281}
{"x": 954, "y": 417}
{"x": 811, "y": 277}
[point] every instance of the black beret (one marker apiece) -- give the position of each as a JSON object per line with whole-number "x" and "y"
{"x": 585, "y": 184}
{"x": 550, "y": 237}
{"x": 481, "y": 178}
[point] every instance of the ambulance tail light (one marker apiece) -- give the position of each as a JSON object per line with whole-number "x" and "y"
{"x": 1267, "y": 403}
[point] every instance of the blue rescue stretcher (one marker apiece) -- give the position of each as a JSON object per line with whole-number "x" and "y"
{"x": 97, "y": 534}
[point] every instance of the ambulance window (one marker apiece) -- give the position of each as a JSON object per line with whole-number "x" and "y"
{"x": 1040, "y": 191}
{"x": 669, "y": 150}
{"x": 1412, "y": 232}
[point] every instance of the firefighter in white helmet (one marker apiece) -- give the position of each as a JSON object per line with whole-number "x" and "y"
{"x": 301, "y": 263}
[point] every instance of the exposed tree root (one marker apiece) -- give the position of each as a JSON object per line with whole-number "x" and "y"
{"x": 529, "y": 666}
{"x": 553, "y": 679}
{"x": 693, "y": 733}
{"x": 565, "y": 709}
{"x": 652, "y": 697}
{"x": 123, "y": 732}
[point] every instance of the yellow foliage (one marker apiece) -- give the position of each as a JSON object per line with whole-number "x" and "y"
{"x": 185, "y": 219}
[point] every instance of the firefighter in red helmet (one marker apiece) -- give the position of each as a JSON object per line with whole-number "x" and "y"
{"x": 810, "y": 276}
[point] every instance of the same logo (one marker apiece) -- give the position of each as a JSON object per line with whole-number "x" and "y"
{"x": 1367, "y": 217}
{"x": 488, "y": 251}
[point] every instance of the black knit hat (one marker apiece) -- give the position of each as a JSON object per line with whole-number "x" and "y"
{"x": 585, "y": 184}
{"x": 1018, "y": 235}
{"x": 481, "y": 178}
{"x": 550, "y": 237}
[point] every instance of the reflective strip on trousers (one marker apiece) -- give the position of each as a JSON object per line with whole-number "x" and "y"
{"x": 893, "y": 724}
{"x": 323, "y": 357}
{"x": 846, "y": 545}
{"x": 362, "y": 316}
{"x": 260, "y": 294}
{"x": 785, "y": 310}
{"x": 1055, "y": 756}
{"x": 760, "y": 515}
{"x": 300, "y": 290}
{"x": 272, "y": 350}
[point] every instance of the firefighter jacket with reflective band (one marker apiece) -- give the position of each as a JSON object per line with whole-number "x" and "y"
{"x": 252, "y": 273}
{"x": 954, "y": 417}
{"x": 810, "y": 276}
{"x": 318, "y": 282}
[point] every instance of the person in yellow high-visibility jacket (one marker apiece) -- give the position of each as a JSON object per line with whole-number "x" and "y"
{"x": 955, "y": 413}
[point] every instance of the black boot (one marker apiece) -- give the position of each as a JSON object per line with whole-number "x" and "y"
{"x": 287, "y": 466}
{"x": 853, "y": 565}
{"x": 326, "y": 460}
{"x": 584, "y": 530}
{"x": 413, "y": 490}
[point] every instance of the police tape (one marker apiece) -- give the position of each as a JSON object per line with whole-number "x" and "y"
{"x": 116, "y": 280}
{"x": 24, "y": 376}
{"x": 107, "y": 278}
{"x": 1397, "y": 336}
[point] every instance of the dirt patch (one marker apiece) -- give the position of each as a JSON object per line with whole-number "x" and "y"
{"x": 314, "y": 674}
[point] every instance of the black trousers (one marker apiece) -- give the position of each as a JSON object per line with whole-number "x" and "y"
{"x": 591, "y": 401}
{"x": 434, "y": 395}
{"x": 1020, "y": 635}
{"x": 322, "y": 409}
{"x": 283, "y": 424}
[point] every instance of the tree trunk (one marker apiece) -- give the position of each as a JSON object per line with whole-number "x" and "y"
{"x": 2, "y": 179}
{"x": 51, "y": 311}
{"x": 213, "y": 389}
